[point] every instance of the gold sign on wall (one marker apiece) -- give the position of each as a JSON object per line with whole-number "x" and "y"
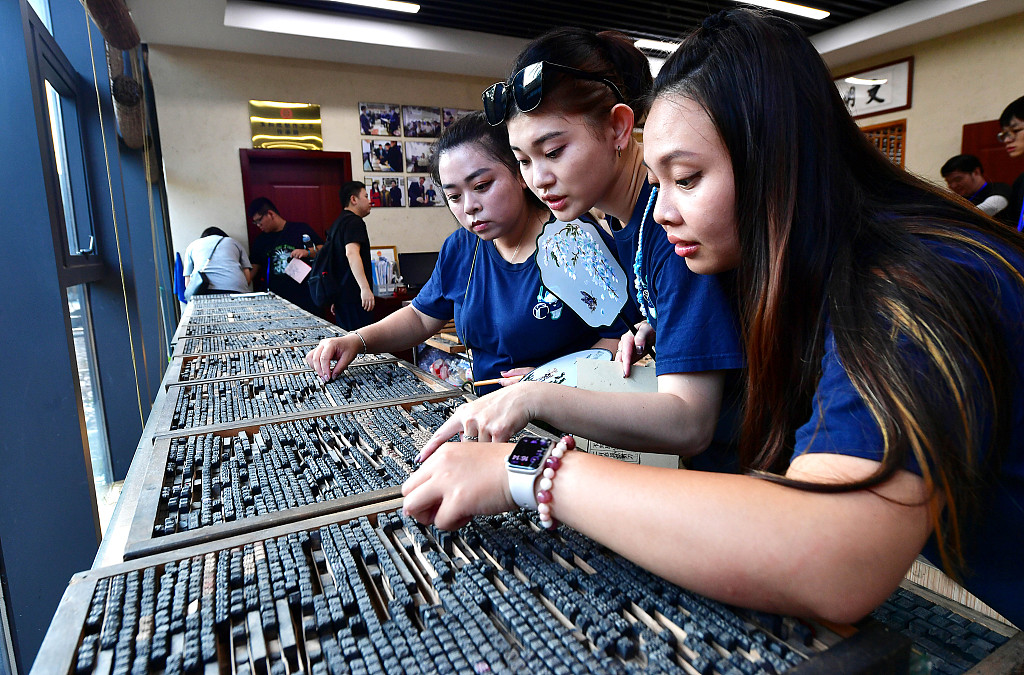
{"x": 285, "y": 126}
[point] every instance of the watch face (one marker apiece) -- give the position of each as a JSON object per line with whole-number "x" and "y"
{"x": 528, "y": 453}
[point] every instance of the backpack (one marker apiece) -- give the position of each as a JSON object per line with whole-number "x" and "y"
{"x": 322, "y": 279}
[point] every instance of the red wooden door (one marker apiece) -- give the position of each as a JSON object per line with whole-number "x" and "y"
{"x": 303, "y": 184}
{"x": 979, "y": 139}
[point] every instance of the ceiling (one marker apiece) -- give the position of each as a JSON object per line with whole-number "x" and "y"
{"x": 481, "y": 37}
{"x": 653, "y": 19}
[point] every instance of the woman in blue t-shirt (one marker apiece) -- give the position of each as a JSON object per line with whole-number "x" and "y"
{"x": 486, "y": 277}
{"x": 570, "y": 106}
{"x": 884, "y": 414}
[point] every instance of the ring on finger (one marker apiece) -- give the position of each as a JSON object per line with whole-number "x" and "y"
{"x": 467, "y": 437}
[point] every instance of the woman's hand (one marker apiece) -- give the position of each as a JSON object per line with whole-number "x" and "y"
{"x": 341, "y": 349}
{"x": 512, "y": 376}
{"x": 490, "y": 419}
{"x": 459, "y": 481}
{"x": 632, "y": 347}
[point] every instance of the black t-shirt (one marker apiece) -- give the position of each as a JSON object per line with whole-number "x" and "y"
{"x": 1012, "y": 213}
{"x": 350, "y": 229}
{"x": 992, "y": 190}
{"x": 272, "y": 252}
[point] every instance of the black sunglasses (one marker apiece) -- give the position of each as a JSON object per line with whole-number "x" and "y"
{"x": 527, "y": 87}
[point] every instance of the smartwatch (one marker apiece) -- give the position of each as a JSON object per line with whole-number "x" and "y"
{"x": 524, "y": 464}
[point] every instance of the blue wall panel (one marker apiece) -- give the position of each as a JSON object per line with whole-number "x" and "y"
{"x": 46, "y": 517}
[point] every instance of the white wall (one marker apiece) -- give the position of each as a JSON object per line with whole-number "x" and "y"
{"x": 202, "y": 104}
{"x": 202, "y": 100}
{"x": 960, "y": 78}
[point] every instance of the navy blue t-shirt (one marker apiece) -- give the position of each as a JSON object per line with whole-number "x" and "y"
{"x": 842, "y": 424}
{"x": 506, "y": 317}
{"x": 694, "y": 316}
{"x": 272, "y": 252}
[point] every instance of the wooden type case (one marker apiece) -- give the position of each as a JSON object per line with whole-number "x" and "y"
{"x": 150, "y": 509}
{"x": 495, "y": 596}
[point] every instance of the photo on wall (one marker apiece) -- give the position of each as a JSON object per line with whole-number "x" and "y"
{"x": 382, "y": 155}
{"x": 380, "y": 119}
{"x": 452, "y": 114}
{"x": 385, "y": 191}
{"x": 421, "y": 122}
{"x": 423, "y": 192}
{"x": 417, "y": 156}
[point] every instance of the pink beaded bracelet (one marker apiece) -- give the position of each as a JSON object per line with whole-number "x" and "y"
{"x": 547, "y": 481}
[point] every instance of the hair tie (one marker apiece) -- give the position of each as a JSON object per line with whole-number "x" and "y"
{"x": 717, "y": 21}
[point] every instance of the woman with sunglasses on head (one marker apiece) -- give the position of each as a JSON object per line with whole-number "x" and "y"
{"x": 486, "y": 277}
{"x": 882, "y": 320}
{"x": 570, "y": 107}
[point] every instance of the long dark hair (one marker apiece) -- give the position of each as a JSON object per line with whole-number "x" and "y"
{"x": 832, "y": 232}
{"x": 473, "y": 129}
{"x": 608, "y": 53}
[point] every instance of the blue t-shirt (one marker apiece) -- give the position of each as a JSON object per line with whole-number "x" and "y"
{"x": 696, "y": 323}
{"x": 994, "y": 545}
{"x": 697, "y": 329}
{"x": 506, "y": 316}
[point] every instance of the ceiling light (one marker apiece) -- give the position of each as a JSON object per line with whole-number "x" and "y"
{"x": 791, "y": 8}
{"x": 656, "y": 45}
{"x": 392, "y": 5}
{"x": 861, "y": 80}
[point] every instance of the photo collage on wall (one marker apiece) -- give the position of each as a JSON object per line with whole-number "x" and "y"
{"x": 396, "y": 149}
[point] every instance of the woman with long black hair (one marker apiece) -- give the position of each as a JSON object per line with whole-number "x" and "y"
{"x": 570, "y": 106}
{"x": 884, "y": 413}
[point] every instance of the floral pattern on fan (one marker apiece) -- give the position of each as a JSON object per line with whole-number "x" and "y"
{"x": 572, "y": 243}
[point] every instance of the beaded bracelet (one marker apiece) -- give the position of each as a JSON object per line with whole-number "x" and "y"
{"x": 361, "y": 340}
{"x": 547, "y": 481}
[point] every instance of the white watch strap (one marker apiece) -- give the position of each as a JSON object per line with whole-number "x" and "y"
{"x": 521, "y": 487}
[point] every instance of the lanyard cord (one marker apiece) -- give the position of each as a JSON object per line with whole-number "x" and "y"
{"x": 465, "y": 295}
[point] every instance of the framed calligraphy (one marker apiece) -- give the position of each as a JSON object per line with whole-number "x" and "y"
{"x": 876, "y": 90}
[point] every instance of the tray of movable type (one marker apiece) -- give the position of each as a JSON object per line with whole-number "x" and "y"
{"x": 949, "y": 638}
{"x": 233, "y": 302}
{"x": 236, "y": 316}
{"x": 193, "y": 329}
{"x": 212, "y": 485}
{"x": 365, "y": 592}
{"x": 225, "y": 402}
{"x": 278, "y": 337}
{"x": 251, "y": 362}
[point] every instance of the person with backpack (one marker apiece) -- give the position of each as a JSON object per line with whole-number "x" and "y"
{"x": 341, "y": 275}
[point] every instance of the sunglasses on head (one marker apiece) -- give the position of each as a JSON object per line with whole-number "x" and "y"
{"x": 527, "y": 87}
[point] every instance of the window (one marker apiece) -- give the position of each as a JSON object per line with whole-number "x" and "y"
{"x": 62, "y": 142}
{"x": 890, "y": 138}
{"x": 64, "y": 128}
{"x": 91, "y": 409}
{"x": 42, "y": 8}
